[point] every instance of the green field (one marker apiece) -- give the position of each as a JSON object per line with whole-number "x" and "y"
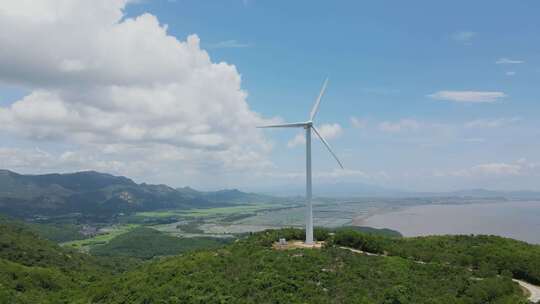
{"x": 188, "y": 223}
{"x": 159, "y": 214}
{"x": 228, "y": 221}
{"x": 223, "y": 222}
{"x": 229, "y": 210}
{"x": 111, "y": 232}
{"x": 209, "y": 212}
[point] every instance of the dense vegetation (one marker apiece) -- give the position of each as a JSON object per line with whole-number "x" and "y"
{"x": 484, "y": 254}
{"x": 146, "y": 243}
{"x": 250, "y": 272}
{"x": 34, "y": 270}
{"x": 487, "y": 254}
{"x": 375, "y": 231}
{"x": 57, "y": 232}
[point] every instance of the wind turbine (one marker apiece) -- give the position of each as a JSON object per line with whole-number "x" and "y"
{"x": 308, "y": 126}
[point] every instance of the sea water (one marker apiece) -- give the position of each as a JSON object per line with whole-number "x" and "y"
{"x": 515, "y": 219}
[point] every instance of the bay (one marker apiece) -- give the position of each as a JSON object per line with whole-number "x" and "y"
{"x": 515, "y": 219}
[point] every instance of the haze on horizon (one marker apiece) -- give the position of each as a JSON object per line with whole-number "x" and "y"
{"x": 171, "y": 91}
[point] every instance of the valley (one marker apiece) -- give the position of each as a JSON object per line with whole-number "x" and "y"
{"x": 229, "y": 222}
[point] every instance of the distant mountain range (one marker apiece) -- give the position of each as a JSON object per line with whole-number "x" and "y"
{"x": 483, "y": 193}
{"x": 99, "y": 194}
{"x": 351, "y": 190}
{"x": 332, "y": 190}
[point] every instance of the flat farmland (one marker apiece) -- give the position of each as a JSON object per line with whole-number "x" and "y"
{"x": 228, "y": 221}
{"x": 106, "y": 234}
{"x": 209, "y": 212}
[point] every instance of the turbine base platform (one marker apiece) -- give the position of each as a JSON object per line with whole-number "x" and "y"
{"x": 296, "y": 245}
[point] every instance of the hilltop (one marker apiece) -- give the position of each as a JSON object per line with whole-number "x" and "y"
{"x": 461, "y": 270}
{"x": 35, "y": 270}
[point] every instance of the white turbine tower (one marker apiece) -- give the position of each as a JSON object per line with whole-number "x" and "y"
{"x": 308, "y": 126}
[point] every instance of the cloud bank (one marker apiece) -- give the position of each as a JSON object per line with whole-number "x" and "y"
{"x": 521, "y": 167}
{"x": 121, "y": 90}
{"x": 468, "y": 96}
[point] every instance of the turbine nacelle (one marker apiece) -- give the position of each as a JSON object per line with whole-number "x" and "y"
{"x": 309, "y": 124}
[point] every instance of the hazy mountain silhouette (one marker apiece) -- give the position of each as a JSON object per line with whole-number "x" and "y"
{"x": 94, "y": 193}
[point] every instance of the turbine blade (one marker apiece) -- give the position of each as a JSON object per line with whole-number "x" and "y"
{"x": 287, "y": 125}
{"x": 318, "y": 102}
{"x": 327, "y": 146}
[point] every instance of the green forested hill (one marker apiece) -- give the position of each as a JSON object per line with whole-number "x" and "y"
{"x": 146, "y": 243}
{"x": 487, "y": 255}
{"x": 56, "y": 232}
{"x": 33, "y": 270}
{"x": 250, "y": 272}
{"x": 19, "y": 245}
{"x": 374, "y": 231}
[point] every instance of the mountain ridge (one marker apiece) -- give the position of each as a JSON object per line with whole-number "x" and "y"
{"x": 101, "y": 194}
{"x": 357, "y": 190}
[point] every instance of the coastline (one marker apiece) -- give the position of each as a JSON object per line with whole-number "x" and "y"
{"x": 514, "y": 219}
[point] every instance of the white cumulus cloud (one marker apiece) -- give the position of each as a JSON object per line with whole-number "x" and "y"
{"x": 101, "y": 82}
{"x": 399, "y": 126}
{"x": 328, "y": 131}
{"x": 358, "y": 123}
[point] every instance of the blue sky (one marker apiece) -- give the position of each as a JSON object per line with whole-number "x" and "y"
{"x": 427, "y": 95}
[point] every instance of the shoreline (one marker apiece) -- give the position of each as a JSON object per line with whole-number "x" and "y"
{"x": 513, "y": 219}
